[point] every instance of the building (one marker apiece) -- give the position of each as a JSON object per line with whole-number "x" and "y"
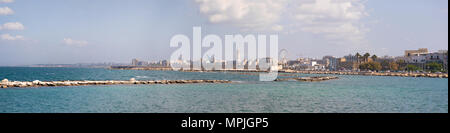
{"x": 419, "y": 52}
{"x": 416, "y": 56}
{"x": 349, "y": 62}
{"x": 135, "y": 62}
{"x": 422, "y": 57}
{"x": 419, "y": 58}
{"x": 440, "y": 57}
{"x": 164, "y": 63}
{"x": 436, "y": 56}
{"x": 305, "y": 64}
{"x": 330, "y": 62}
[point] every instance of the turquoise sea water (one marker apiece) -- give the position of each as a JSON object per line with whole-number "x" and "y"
{"x": 349, "y": 94}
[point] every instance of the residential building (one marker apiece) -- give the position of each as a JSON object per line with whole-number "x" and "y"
{"x": 419, "y": 52}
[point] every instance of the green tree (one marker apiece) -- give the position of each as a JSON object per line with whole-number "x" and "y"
{"x": 434, "y": 67}
{"x": 364, "y": 66}
{"x": 400, "y": 61}
{"x": 385, "y": 65}
{"x": 401, "y": 64}
{"x": 393, "y": 66}
{"x": 374, "y": 66}
{"x": 412, "y": 68}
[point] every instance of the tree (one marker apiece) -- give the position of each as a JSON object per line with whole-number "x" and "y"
{"x": 393, "y": 66}
{"x": 412, "y": 68}
{"x": 374, "y": 66}
{"x": 374, "y": 57}
{"x": 434, "y": 67}
{"x": 401, "y": 64}
{"x": 400, "y": 61}
{"x": 366, "y": 57}
{"x": 358, "y": 56}
{"x": 385, "y": 65}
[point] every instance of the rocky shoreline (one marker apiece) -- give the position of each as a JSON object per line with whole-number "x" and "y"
{"x": 19, "y": 84}
{"x": 396, "y": 74}
{"x": 309, "y": 79}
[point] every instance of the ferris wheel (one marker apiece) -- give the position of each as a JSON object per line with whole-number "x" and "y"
{"x": 283, "y": 56}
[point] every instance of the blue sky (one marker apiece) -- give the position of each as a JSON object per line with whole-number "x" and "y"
{"x": 85, "y": 31}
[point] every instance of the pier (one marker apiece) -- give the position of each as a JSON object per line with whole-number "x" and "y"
{"x": 20, "y": 84}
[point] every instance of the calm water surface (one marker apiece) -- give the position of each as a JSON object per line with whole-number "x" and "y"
{"x": 349, "y": 94}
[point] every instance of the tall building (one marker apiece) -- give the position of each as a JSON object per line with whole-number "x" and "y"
{"x": 351, "y": 58}
{"x": 135, "y": 62}
{"x": 330, "y": 62}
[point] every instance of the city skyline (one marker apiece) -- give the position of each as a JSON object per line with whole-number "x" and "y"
{"x": 66, "y": 32}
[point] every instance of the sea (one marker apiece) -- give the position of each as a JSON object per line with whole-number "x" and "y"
{"x": 348, "y": 94}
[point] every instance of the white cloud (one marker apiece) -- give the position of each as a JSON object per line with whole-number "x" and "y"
{"x": 11, "y": 38}
{"x": 6, "y": 1}
{"x": 277, "y": 28}
{"x": 328, "y": 9}
{"x": 334, "y": 19}
{"x": 71, "y": 42}
{"x": 338, "y": 19}
{"x": 12, "y": 26}
{"x": 6, "y": 11}
{"x": 247, "y": 14}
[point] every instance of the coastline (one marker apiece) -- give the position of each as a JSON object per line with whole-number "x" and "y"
{"x": 390, "y": 74}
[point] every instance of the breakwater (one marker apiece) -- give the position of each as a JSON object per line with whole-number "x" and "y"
{"x": 396, "y": 74}
{"x": 308, "y": 79}
{"x": 141, "y": 68}
{"x": 20, "y": 84}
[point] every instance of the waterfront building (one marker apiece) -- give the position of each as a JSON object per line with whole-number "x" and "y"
{"x": 330, "y": 62}
{"x": 435, "y": 57}
{"x": 135, "y": 62}
{"x": 419, "y": 58}
{"x": 440, "y": 57}
{"x": 351, "y": 58}
{"x": 419, "y": 52}
{"x": 416, "y": 56}
{"x": 349, "y": 62}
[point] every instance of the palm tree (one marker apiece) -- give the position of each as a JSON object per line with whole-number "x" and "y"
{"x": 358, "y": 56}
{"x": 374, "y": 57}
{"x": 366, "y": 57}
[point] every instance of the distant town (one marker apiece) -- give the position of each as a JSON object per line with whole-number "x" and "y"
{"x": 421, "y": 60}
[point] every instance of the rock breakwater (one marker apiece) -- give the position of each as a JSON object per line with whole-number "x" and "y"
{"x": 21, "y": 84}
{"x": 396, "y": 74}
{"x": 309, "y": 79}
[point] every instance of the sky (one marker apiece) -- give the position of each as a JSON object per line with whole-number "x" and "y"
{"x": 92, "y": 31}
